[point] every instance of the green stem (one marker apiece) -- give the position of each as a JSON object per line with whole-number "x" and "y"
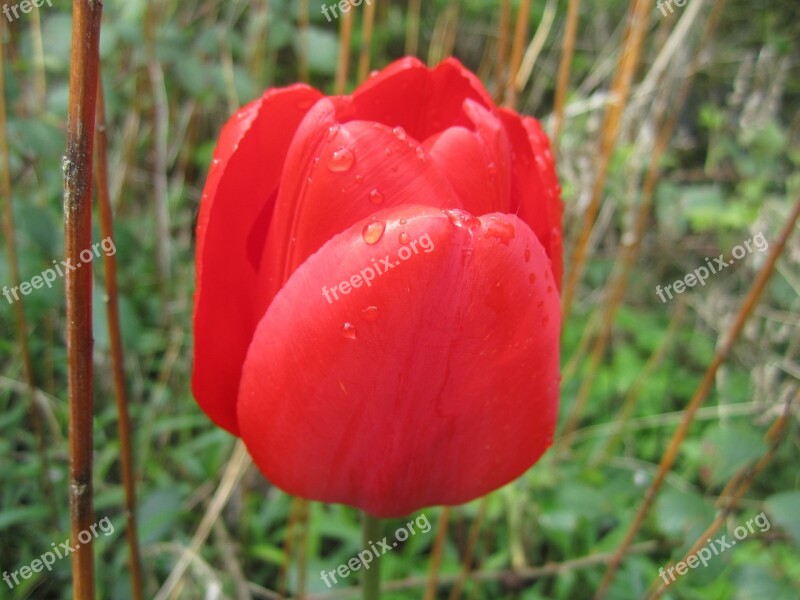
{"x": 371, "y": 531}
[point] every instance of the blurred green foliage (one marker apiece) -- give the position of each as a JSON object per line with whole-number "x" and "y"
{"x": 729, "y": 174}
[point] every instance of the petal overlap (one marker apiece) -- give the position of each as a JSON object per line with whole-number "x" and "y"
{"x": 406, "y": 386}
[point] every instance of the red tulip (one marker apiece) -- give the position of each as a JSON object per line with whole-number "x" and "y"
{"x": 371, "y": 341}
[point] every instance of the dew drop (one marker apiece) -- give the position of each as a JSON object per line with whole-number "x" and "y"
{"x": 375, "y": 197}
{"x": 370, "y": 313}
{"x": 403, "y": 221}
{"x": 420, "y": 153}
{"x": 332, "y": 131}
{"x": 399, "y": 133}
{"x": 388, "y": 151}
{"x": 532, "y": 277}
{"x": 373, "y": 232}
{"x": 359, "y": 178}
{"x": 373, "y": 73}
{"x": 463, "y": 219}
{"x": 349, "y": 331}
{"x": 404, "y": 238}
{"x": 342, "y": 160}
{"x": 501, "y": 230}
{"x": 549, "y": 289}
{"x": 545, "y": 320}
{"x": 527, "y": 255}
{"x": 492, "y": 169}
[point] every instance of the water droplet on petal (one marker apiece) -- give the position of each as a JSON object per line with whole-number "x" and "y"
{"x": 370, "y": 313}
{"x": 545, "y": 320}
{"x": 359, "y": 178}
{"x": 373, "y": 232}
{"x": 332, "y": 131}
{"x": 374, "y": 73}
{"x": 461, "y": 218}
{"x": 403, "y": 221}
{"x": 399, "y": 133}
{"x": 388, "y": 151}
{"x": 527, "y": 255}
{"x": 492, "y": 169}
{"x": 420, "y": 153}
{"x": 549, "y": 289}
{"x": 342, "y": 160}
{"x": 404, "y": 238}
{"x": 532, "y": 277}
{"x": 501, "y": 230}
{"x": 349, "y": 331}
{"x": 375, "y": 197}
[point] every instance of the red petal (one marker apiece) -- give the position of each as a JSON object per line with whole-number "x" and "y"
{"x": 423, "y": 101}
{"x": 536, "y": 195}
{"x": 340, "y": 174}
{"x": 234, "y": 217}
{"x": 435, "y": 384}
{"x": 477, "y": 163}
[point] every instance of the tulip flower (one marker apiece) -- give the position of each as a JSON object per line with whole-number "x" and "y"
{"x": 377, "y": 311}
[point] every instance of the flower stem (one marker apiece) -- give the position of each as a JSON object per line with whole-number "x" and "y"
{"x": 371, "y": 531}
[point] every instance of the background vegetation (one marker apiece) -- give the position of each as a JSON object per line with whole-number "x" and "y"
{"x": 173, "y": 73}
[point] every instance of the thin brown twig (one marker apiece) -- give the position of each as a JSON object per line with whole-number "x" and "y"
{"x": 564, "y": 65}
{"x": 469, "y": 553}
{"x": 627, "y": 253}
{"x": 501, "y": 66}
{"x": 302, "y": 548}
{"x": 259, "y": 41}
{"x": 19, "y": 306}
{"x": 436, "y": 554}
{"x": 520, "y": 35}
{"x": 115, "y": 342}
{"x": 343, "y": 63}
{"x": 742, "y": 481}
{"x": 84, "y": 69}
{"x": 535, "y": 46}
{"x": 303, "y": 23}
{"x": 618, "y": 99}
{"x": 412, "y": 27}
{"x": 517, "y": 576}
{"x": 366, "y": 41}
{"x": 701, "y": 393}
{"x": 295, "y": 510}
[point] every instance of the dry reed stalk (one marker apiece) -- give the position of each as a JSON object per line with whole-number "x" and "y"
{"x": 83, "y": 80}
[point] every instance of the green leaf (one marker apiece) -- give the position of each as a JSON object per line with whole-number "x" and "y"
{"x": 784, "y": 509}
{"x": 729, "y": 448}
